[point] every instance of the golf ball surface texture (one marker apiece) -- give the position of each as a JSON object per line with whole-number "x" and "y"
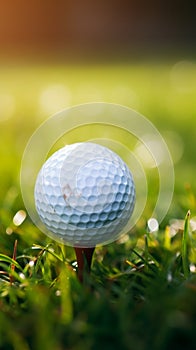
{"x": 84, "y": 195}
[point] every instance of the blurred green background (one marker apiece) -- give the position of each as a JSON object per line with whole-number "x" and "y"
{"x": 163, "y": 92}
{"x": 57, "y": 54}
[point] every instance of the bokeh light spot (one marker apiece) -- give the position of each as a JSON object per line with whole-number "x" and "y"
{"x": 54, "y": 97}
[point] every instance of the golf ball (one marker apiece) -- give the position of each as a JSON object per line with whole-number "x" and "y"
{"x": 84, "y": 195}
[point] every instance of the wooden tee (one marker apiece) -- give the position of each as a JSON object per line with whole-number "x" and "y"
{"x": 84, "y": 259}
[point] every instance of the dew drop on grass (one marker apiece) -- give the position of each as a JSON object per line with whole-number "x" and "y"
{"x": 153, "y": 225}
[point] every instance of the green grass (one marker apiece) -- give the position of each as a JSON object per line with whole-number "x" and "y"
{"x": 141, "y": 293}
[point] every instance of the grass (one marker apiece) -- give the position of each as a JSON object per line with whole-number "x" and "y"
{"x": 141, "y": 291}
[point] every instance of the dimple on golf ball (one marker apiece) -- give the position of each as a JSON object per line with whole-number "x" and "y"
{"x": 84, "y": 195}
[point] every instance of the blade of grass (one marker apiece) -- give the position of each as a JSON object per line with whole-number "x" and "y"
{"x": 48, "y": 250}
{"x": 146, "y": 262}
{"x": 13, "y": 265}
{"x": 7, "y": 259}
{"x": 146, "y": 251}
{"x": 185, "y": 243}
{"x": 167, "y": 241}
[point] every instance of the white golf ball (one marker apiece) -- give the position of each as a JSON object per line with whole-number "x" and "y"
{"x": 84, "y": 195}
